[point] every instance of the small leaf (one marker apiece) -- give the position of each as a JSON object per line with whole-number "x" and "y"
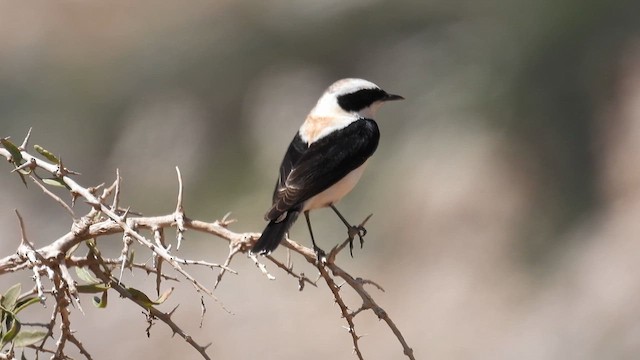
{"x": 11, "y": 296}
{"x": 100, "y": 303}
{"x": 132, "y": 255}
{"x": 29, "y": 337}
{"x": 92, "y": 288}
{"x": 11, "y": 334}
{"x": 74, "y": 247}
{"x": 85, "y": 275}
{"x": 141, "y": 297}
{"x": 13, "y": 150}
{"x": 164, "y": 296}
{"x": 22, "y": 304}
{"x": 46, "y": 153}
{"x": 56, "y": 182}
{"x": 23, "y": 180}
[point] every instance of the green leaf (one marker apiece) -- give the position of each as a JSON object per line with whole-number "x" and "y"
{"x": 56, "y": 182}
{"x": 164, "y": 296}
{"x": 85, "y": 275}
{"x": 46, "y": 153}
{"x": 92, "y": 288}
{"x": 141, "y": 297}
{"x": 100, "y": 303}
{"x": 22, "y": 304}
{"x": 11, "y": 334}
{"x": 13, "y": 150}
{"x": 10, "y": 297}
{"x": 23, "y": 180}
{"x": 132, "y": 255}
{"x": 144, "y": 299}
{"x": 29, "y": 337}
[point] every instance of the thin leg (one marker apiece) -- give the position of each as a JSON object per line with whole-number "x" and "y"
{"x": 353, "y": 231}
{"x": 320, "y": 254}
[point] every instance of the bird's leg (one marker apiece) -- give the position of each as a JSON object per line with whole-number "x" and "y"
{"x": 320, "y": 254}
{"x": 352, "y": 230}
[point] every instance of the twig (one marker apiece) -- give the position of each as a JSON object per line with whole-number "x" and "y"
{"x": 94, "y": 225}
{"x": 369, "y": 303}
{"x": 343, "y": 309}
{"x": 155, "y": 313}
{"x": 158, "y": 236}
{"x": 85, "y": 261}
{"x": 302, "y": 279}
{"x": 70, "y": 283}
{"x": 27, "y": 251}
{"x": 179, "y": 214}
{"x": 262, "y": 267}
{"x": 234, "y": 248}
{"x": 116, "y": 194}
{"x": 53, "y": 196}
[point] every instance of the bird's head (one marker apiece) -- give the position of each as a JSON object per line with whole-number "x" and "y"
{"x": 353, "y": 97}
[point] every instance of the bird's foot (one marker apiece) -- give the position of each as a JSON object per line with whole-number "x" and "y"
{"x": 321, "y": 256}
{"x": 354, "y": 231}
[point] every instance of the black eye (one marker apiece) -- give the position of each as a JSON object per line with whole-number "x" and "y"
{"x": 360, "y": 99}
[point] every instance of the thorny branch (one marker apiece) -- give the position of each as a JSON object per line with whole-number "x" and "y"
{"x": 54, "y": 259}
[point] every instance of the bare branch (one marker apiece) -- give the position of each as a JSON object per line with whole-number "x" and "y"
{"x": 343, "y": 308}
{"x": 302, "y": 279}
{"x": 155, "y": 313}
{"x": 55, "y": 258}
{"x": 261, "y": 266}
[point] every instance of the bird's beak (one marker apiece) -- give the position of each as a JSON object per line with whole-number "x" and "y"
{"x": 391, "y": 97}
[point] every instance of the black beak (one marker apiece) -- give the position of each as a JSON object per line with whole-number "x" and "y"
{"x": 391, "y": 97}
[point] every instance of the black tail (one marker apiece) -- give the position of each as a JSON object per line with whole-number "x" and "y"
{"x": 274, "y": 233}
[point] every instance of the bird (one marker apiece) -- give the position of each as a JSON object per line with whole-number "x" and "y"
{"x": 325, "y": 160}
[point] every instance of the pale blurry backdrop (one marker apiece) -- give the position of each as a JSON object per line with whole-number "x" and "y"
{"x": 505, "y": 190}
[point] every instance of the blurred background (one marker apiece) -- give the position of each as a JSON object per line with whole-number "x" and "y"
{"x": 505, "y": 190}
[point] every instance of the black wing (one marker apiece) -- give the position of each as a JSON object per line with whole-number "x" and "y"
{"x": 291, "y": 157}
{"x": 324, "y": 163}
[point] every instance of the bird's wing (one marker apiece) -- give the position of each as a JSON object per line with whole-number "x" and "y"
{"x": 324, "y": 163}
{"x": 291, "y": 157}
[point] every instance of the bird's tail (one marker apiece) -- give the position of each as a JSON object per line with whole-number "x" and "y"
{"x": 274, "y": 233}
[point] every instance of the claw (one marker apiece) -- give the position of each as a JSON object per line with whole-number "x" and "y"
{"x": 321, "y": 256}
{"x": 358, "y": 231}
{"x": 361, "y": 236}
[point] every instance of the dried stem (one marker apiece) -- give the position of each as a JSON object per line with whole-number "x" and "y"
{"x": 54, "y": 259}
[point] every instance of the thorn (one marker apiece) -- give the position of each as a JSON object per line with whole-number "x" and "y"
{"x": 94, "y": 189}
{"x": 226, "y": 221}
{"x": 123, "y": 217}
{"x": 60, "y": 171}
{"x": 23, "y": 147}
{"x": 31, "y": 165}
{"x": 170, "y": 313}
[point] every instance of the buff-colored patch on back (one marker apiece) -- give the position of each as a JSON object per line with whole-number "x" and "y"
{"x": 317, "y": 127}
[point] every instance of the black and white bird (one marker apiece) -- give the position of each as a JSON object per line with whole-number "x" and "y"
{"x": 325, "y": 159}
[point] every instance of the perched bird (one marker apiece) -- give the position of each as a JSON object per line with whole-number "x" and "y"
{"x": 325, "y": 159}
